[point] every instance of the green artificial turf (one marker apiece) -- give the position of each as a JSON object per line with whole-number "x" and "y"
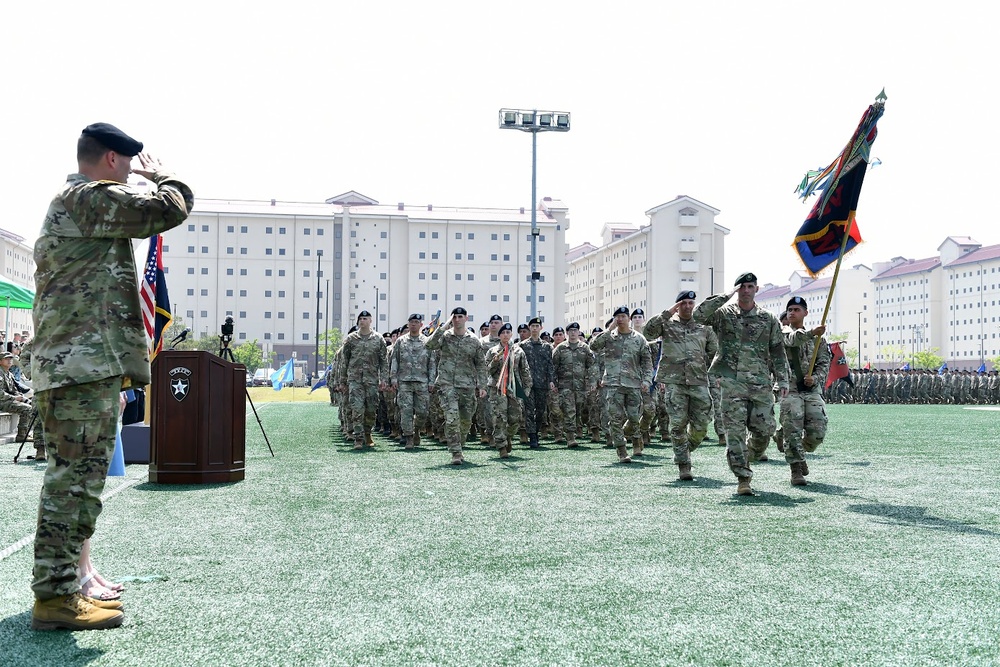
{"x": 327, "y": 556}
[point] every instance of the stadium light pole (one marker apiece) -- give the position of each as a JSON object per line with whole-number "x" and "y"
{"x": 534, "y": 121}
{"x": 326, "y": 336}
{"x": 319, "y": 258}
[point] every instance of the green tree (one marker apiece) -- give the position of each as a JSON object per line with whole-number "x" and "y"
{"x": 852, "y": 356}
{"x": 894, "y": 354}
{"x": 928, "y": 358}
{"x": 329, "y": 342}
{"x": 251, "y": 355}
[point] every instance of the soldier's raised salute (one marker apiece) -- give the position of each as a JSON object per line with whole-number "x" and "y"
{"x": 89, "y": 342}
{"x": 628, "y": 371}
{"x": 750, "y": 345}
{"x": 461, "y": 378}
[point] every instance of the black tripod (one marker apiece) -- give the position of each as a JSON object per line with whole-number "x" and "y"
{"x": 25, "y": 439}
{"x": 227, "y": 354}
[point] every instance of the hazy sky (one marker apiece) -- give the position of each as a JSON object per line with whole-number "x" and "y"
{"x": 727, "y": 102}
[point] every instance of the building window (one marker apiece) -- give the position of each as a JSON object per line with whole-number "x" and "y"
{"x": 421, "y": 275}
{"x": 204, "y": 228}
{"x": 383, "y": 235}
{"x": 268, "y": 251}
{"x": 267, "y": 294}
{"x": 230, "y": 250}
{"x": 267, "y": 336}
{"x": 434, "y": 255}
{"x": 422, "y": 235}
{"x": 434, "y": 235}
{"x": 305, "y": 231}
{"x": 243, "y": 272}
{"x": 190, "y": 228}
{"x": 204, "y": 249}
{"x": 243, "y": 292}
{"x": 281, "y": 336}
{"x": 422, "y": 255}
{"x": 493, "y": 257}
{"x": 381, "y": 255}
{"x": 469, "y": 276}
{"x": 471, "y": 255}
{"x": 305, "y": 252}
{"x": 281, "y": 273}
{"x": 269, "y": 230}
{"x": 190, "y": 291}
{"x": 458, "y": 236}
{"x": 458, "y": 255}
{"x": 281, "y": 251}
{"x": 420, "y": 297}
{"x": 243, "y": 229}
{"x": 493, "y": 237}
{"x": 458, "y": 276}
{"x": 229, "y": 272}
{"x": 191, "y": 270}
{"x": 281, "y": 230}
{"x": 506, "y": 258}
{"x": 243, "y": 251}
{"x": 267, "y": 272}
{"x": 190, "y": 248}
{"x": 229, "y": 292}
{"x": 506, "y": 237}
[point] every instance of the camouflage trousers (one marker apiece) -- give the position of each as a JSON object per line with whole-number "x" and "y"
{"x": 716, "y": 391}
{"x": 412, "y": 401}
{"x": 484, "y": 415}
{"x": 748, "y": 415}
{"x": 624, "y": 413}
{"x": 554, "y": 414}
{"x": 662, "y": 417}
{"x": 363, "y": 404}
{"x": 80, "y": 422}
{"x": 459, "y": 407}
{"x": 505, "y": 415}
{"x": 534, "y": 409}
{"x": 648, "y": 412}
{"x": 689, "y": 408}
{"x": 573, "y": 403}
{"x": 803, "y": 424}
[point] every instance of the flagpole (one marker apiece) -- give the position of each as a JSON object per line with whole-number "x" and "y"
{"x": 833, "y": 286}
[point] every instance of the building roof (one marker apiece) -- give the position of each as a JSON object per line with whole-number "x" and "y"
{"x": 959, "y": 240}
{"x": 979, "y": 255}
{"x": 910, "y": 266}
{"x": 412, "y": 212}
{"x": 680, "y": 198}
{"x": 772, "y": 292}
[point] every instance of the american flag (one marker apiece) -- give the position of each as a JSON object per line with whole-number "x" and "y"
{"x": 153, "y": 296}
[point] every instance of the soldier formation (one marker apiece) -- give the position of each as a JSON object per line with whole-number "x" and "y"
{"x": 720, "y": 362}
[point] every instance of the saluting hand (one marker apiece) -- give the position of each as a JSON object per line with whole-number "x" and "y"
{"x": 150, "y": 165}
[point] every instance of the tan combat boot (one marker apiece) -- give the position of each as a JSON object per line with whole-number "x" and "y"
{"x": 409, "y": 441}
{"x": 504, "y": 451}
{"x": 457, "y": 459}
{"x": 685, "y": 472}
{"x": 73, "y": 612}
{"x": 595, "y": 435}
{"x": 623, "y": 456}
{"x": 571, "y": 444}
{"x": 743, "y": 486}
{"x": 637, "y": 446}
{"x": 798, "y": 479}
{"x": 368, "y": 438}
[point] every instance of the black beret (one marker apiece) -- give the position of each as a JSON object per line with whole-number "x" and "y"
{"x": 638, "y": 311}
{"x": 352, "y": 329}
{"x": 535, "y": 320}
{"x": 415, "y": 316}
{"x": 484, "y": 325}
{"x": 745, "y": 278}
{"x": 364, "y": 313}
{"x": 108, "y": 135}
{"x": 496, "y": 318}
{"x": 573, "y": 325}
{"x": 558, "y": 330}
{"x": 522, "y": 327}
{"x": 622, "y": 310}
{"x": 686, "y": 294}
{"x": 609, "y": 322}
{"x": 506, "y": 327}
{"x": 596, "y": 330}
{"x": 796, "y": 301}
{"x": 459, "y": 311}
{"x": 784, "y": 315}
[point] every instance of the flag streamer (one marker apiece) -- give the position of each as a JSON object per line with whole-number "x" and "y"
{"x": 153, "y": 297}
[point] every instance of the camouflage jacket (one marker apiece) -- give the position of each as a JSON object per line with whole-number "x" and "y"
{"x": 799, "y": 345}
{"x": 688, "y": 349}
{"x": 573, "y": 365}
{"x": 364, "y": 359}
{"x": 24, "y": 360}
{"x": 750, "y": 343}
{"x": 8, "y": 389}
{"x": 627, "y": 360}
{"x": 411, "y": 361}
{"x": 539, "y": 355}
{"x": 88, "y": 322}
{"x": 517, "y": 366}
{"x": 461, "y": 362}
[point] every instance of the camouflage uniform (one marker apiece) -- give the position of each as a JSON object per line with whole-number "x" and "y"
{"x": 803, "y": 414}
{"x": 628, "y": 371}
{"x": 572, "y": 365}
{"x": 504, "y": 404}
{"x": 89, "y": 338}
{"x": 363, "y": 370}
{"x": 688, "y": 349}
{"x": 460, "y": 376}
{"x": 412, "y": 368}
{"x": 484, "y": 410}
{"x": 750, "y": 344}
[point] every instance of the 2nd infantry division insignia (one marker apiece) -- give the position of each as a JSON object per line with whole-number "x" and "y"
{"x": 179, "y": 382}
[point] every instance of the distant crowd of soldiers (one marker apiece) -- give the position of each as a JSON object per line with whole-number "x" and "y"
{"x": 918, "y": 386}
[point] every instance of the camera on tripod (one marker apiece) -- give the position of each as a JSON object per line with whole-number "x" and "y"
{"x": 225, "y": 338}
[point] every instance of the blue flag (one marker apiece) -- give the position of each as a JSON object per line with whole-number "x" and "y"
{"x": 284, "y": 374}
{"x": 322, "y": 380}
{"x": 982, "y": 368}
{"x": 943, "y": 368}
{"x": 905, "y": 367}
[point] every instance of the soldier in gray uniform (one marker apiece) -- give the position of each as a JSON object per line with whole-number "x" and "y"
{"x": 572, "y": 361}
{"x": 688, "y": 349}
{"x": 364, "y": 372}
{"x": 461, "y": 378}
{"x": 750, "y": 348}
{"x": 412, "y": 369}
{"x": 628, "y": 371}
{"x": 803, "y": 414}
{"x": 539, "y": 356}
{"x": 89, "y": 343}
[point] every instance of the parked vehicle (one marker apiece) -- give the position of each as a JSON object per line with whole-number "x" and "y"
{"x": 262, "y": 377}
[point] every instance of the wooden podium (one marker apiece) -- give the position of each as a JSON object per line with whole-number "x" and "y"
{"x": 198, "y": 419}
